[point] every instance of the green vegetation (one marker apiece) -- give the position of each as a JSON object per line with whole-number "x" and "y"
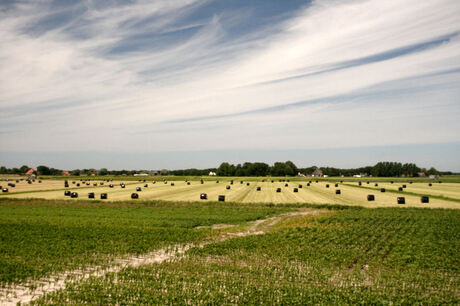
{"x": 378, "y": 256}
{"x": 42, "y": 237}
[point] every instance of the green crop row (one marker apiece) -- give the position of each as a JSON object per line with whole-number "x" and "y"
{"x": 365, "y": 256}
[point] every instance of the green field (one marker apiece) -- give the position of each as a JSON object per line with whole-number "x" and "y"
{"x": 292, "y": 254}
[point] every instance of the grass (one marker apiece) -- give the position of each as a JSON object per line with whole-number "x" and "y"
{"x": 41, "y": 237}
{"x": 350, "y": 256}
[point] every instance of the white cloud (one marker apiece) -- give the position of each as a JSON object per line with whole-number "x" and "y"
{"x": 59, "y": 91}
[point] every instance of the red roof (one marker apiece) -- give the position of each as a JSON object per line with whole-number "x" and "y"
{"x": 65, "y": 173}
{"x": 31, "y": 171}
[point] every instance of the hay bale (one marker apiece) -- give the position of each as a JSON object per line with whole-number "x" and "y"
{"x": 165, "y": 182}
{"x": 134, "y": 196}
{"x": 391, "y": 182}
{"x": 337, "y": 191}
{"x": 111, "y": 185}
{"x": 172, "y": 184}
{"x": 94, "y": 184}
{"x": 300, "y": 186}
{"x": 285, "y": 185}
{"x": 39, "y": 182}
{"x": 425, "y": 199}
{"x": 87, "y": 184}
{"x": 66, "y": 185}
{"x": 259, "y": 188}
{"x": 400, "y": 189}
{"x": 410, "y": 182}
{"x": 370, "y": 197}
{"x": 401, "y": 200}
{"x": 123, "y": 186}
{"x": 308, "y": 184}
{"x": 336, "y": 185}
{"x": 278, "y": 189}
{"x": 188, "y": 183}
{"x": 29, "y": 182}
{"x": 203, "y": 196}
{"x": 103, "y": 196}
{"x": 241, "y": 182}
{"x": 146, "y": 185}
{"x": 430, "y": 184}
{"x": 5, "y": 190}
{"x": 382, "y": 190}
{"x": 101, "y": 183}
{"x": 154, "y": 182}
{"x": 201, "y": 181}
{"x": 376, "y": 185}
{"x": 138, "y": 189}
{"x": 273, "y": 181}
{"x": 78, "y": 184}
{"x": 359, "y": 183}
{"x": 247, "y": 184}
{"x": 404, "y": 186}
{"x": 296, "y": 190}
{"x": 367, "y": 182}
{"x": 91, "y": 195}
{"x": 327, "y": 185}
{"x": 221, "y": 198}
{"x": 74, "y": 195}
{"x": 227, "y": 187}
{"x": 217, "y": 182}
{"x": 231, "y": 182}
{"x": 440, "y": 182}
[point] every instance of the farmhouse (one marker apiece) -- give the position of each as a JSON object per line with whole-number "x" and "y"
{"x": 66, "y": 173}
{"x": 317, "y": 172}
{"x": 31, "y": 171}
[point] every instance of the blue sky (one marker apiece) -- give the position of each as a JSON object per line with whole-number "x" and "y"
{"x": 355, "y": 81}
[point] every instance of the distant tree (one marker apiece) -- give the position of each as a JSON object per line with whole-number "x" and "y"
{"x": 43, "y": 170}
{"x": 103, "y": 171}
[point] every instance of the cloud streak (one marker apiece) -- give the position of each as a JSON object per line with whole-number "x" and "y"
{"x": 191, "y": 75}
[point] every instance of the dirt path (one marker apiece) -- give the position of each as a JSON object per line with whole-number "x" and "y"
{"x": 33, "y": 290}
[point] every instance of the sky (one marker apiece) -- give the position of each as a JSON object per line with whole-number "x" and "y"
{"x": 191, "y": 83}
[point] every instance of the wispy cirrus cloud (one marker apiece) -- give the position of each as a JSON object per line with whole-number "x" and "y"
{"x": 196, "y": 74}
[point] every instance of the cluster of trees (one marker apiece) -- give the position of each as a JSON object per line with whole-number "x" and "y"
{"x": 381, "y": 169}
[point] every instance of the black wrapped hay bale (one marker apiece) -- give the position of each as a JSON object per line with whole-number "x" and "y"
{"x": 138, "y": 189}
{"x": 111, "y": 185}
{"x": 172, "y": 184}
{"x": 91, "y": 195}
{"x": 203, "y": 196}
{"x": 278, "y": 189}
{"x": 359, "y": 183}
{"x": 134, "y": 196}
{"x": 78, "y": 184}
{"x": 146, "y": 185}
{"x": 241, "y": 182}
{"x": 410, "y": 182}
{"x": 101, "y": 183}
{"x": 425, "y": 199}
{"x": 154, "y": 182}
{"x": 221, "y": 198}
{"x": 308, "y": 184}
{"x": 327, "y": 185}
{"x": 66, "y": 185}
{"x": 247, "y": 184}
{"x": 370, "y": 197}
{"x": 296, "y": 190}
{"x": 400, "y": 189}
{"x": 67, "y": 193}
{"x": 430, "y": 184}
{"x": 5, "y": 190}
{"x": 404, "y": 186}
{"x": 227, "y": 187}
{"x": 300, "y": 186}
{"x": 273, "y": 181}
{"x": 382, "y": 190}
{"x": 401, "y": 200}
{"x": 39, "y": 182}
{"x": 74, "y": 195}
{"x": 201, "y": 181}
{"x": 188, "y": 183}
{"x": 217, "y": 182}
{"x": 103, "y": 196}
{"x": 123, "y": 186}
{"x": 336, "y": 185}
{"x": 338, "y": 191}
{"x": 368, "y": 182}
{"x": 231, "y": 182}
{"x": 376, "y": 185}
{"x": 286, "y": 185}
{"x": 259, "y": 188}
{"x": 94, "y": 184}
{"x": 391, "y": 182}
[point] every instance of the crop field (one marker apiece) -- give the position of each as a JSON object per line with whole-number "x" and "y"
{"x": 165, "y": 252}
{"x": 441, "y": 195}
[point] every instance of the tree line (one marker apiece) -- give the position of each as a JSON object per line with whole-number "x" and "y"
{"x": 288, "y": 168}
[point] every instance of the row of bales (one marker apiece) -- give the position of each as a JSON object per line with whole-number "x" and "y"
{"x": 13, "y": 185}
